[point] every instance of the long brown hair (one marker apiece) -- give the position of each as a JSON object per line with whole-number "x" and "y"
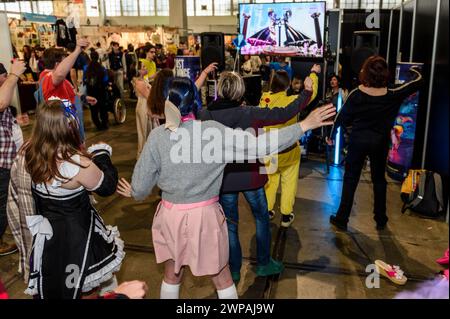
{"x": 157, "y": 98}
{"x": 55, "y": 138}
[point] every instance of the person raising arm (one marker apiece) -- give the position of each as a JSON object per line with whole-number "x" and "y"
{"x": 370, "y": 110}
{"x": 7, "y": 87}
{"x": 204, "y": 75}
{"x": 63, "y": 68}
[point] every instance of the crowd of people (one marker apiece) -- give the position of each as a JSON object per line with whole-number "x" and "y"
{"x": 98, "y": 69}
{"x": 47, "y": 181}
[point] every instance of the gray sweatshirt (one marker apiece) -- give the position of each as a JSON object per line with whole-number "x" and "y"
{"x": 181, "y": 166}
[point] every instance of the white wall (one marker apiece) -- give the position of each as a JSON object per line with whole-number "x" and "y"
{"x": 177, "y": 15}
{"x": 6, "y": 53}
{"x": 225, "y": 24}
{"x": 134, "y": 21}
{"x": 213, "y": 24}
{"x": 198, "y": 24}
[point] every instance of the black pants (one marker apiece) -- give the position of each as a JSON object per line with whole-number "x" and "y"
{"x": 99, "y": 115}
{"x": 4, "y": 184}
{"x": 359, "y": 149}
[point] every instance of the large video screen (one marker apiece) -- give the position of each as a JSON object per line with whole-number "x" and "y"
{"x": 290, "y": 29}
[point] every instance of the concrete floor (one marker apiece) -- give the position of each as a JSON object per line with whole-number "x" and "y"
{"x": 320, "y": 262}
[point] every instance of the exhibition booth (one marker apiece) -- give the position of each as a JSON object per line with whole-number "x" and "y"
{"x": 350, "y": 198}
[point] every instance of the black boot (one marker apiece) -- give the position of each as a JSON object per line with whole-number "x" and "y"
{"x": 381, "y": 220}
{"x": 337, "y": 223}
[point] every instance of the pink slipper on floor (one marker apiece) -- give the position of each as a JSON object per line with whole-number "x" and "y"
{"x": 393, "y": 273}
{"x": 444, "y": 259}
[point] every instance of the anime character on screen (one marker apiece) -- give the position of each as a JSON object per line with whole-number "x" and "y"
{"x": 396, "y": 136}
{"x": 293, "y": 37}
{"x": 267, "y": 36}
{"x": 244, "y": 30}
{"x": 270, "y": 36}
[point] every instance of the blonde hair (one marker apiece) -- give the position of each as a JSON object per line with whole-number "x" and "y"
{"x": 231, "y": 86}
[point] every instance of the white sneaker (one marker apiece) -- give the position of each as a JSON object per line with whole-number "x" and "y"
{"x": 271, "y": 214}
{"x": 287, "y": 220}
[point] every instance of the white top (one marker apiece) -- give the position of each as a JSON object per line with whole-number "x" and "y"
{"x": 68, "y": 171}
{"x": 17, "y": 135}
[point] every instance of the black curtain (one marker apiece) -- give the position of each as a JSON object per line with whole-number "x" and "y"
{"x": 422, "y": 52}
{"x": 406, "y": 31}
{"x": 438, "y": 134}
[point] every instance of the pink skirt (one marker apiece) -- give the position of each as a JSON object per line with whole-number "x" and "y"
{"x": 194, "y": 235}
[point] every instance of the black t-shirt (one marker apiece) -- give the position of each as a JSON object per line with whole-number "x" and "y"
{"x": 72, "y": 34}
{"x": 265, "y": 72}
{"x": 62, "y": 33}
{"x": 115, "y": 61}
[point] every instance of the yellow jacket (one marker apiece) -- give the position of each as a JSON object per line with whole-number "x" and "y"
{"x": 280, "y": 99}
{"x": 150, "y": 66}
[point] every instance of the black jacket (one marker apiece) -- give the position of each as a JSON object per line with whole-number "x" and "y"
{"x": 102, "y": 159}
{"x": 372, "y": 117}
{"x": 115, "y": 61}
{"x": 245, "y": 176}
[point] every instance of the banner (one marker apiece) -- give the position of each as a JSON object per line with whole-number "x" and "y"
{"x": 404, "y": 130}
{"x": 34, "y": 17}
{"x": 187, "y": 66}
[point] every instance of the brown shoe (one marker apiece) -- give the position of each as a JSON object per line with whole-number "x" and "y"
{"x": 7, "y": 249}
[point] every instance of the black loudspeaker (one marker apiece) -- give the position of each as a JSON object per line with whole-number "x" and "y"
{"x": 213, "y": 49}
{"x": 364, "y": 45}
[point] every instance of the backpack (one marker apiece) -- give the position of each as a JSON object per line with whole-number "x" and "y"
{"x": 422, "y": 193}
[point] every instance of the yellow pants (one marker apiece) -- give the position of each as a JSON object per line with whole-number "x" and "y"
{"x": 285, "y": 166}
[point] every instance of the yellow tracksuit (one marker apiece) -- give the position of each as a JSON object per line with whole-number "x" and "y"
{"x": 285, "y": 165}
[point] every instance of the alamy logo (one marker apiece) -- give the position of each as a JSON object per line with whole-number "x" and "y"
{"x": 373, "y": 279}
{"x": 373, "y": 19}
{"x": 213, "y": 145}
{"x": 72, "y": 279}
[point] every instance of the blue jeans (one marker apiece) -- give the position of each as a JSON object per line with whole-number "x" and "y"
{"x": 79, "y": 109}
{"x": 258, "y": 203}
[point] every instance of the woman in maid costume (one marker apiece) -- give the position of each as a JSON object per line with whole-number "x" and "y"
{"x": 73, "y": 252}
